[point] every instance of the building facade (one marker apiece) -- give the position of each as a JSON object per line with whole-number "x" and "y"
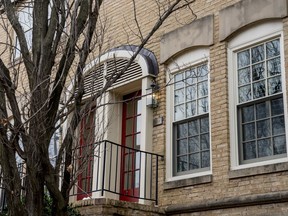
{"x": 197, "y": 125}
{"x": 221, "y": 117}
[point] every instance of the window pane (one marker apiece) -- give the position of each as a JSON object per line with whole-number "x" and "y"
{"x": 179, "y": 81}
{"x": 127, "y": 180}
{"x": 130, "y": 109}
{"x": 204, "y": 141}
{"x": 274, "y": 67}
{"x": 129, "y": 126}
{"x": 249, "y": 150}
{"x": 244, "y": 76}
{"x": 248, "y": 114}
{"x": 257, "y": 53}
{"x": 259, "y": 89}
{"x": 191, "y": 109}
{"x": 205, "y": 159}
{"x": 203, "y": 89}
{"x": 191, "y": 77}
{"x": 129, "y": 141}
{"x": 204, "y": 125}
{"x": 258, "y": 72}
{"x": 128, "y": 161}
{"x": 243, "y": 58}
{"x": 273, "y": 48}
{"x": 278, "y": 125}
{"x": 194, "y": 161}
{"x": 179, "y": 96}
{"x": 203, "y": 105}
{"x": 262, "y": 110}
{"x": 279, "y": 145}
{"x": 277, "y": 107}
{"x": 179, "y": 112}
{"x": 248, "y": 132}
{"x": 263, "y": 128}
{"x": 202, "y": 72}
{"x": 182, "y": 130}
{"x": 264, "y": 148}
{"x": 191, "y": 93}
{"x": 274, "y": 85}
{"x": 244, "y": 93}
{"x": 182, "y": 164}
{"x": 193, "y": 128}
{"x": 182, "y": 147}
{"x": 194, "y": 144}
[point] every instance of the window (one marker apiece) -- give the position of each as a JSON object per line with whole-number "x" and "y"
{"x": 191, "y": 122}
{"x": 26, "y": 21}
{"x": 258, "y": 104}
{"x": 188, "y": 143}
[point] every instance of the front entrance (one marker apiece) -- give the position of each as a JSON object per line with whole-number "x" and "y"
{"x": 131, "y": 133}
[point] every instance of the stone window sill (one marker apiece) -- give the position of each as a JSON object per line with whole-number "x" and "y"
{"x": 266, "y": 169}
{"x": 188, "y": 182}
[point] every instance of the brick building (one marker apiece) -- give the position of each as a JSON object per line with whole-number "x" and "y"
{"x": 212, "y": 139}
{"x": 220, "y": 119}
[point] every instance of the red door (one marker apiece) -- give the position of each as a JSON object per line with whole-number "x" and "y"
{"x": 130, "y": 166}
{"x": 85, "y": 159}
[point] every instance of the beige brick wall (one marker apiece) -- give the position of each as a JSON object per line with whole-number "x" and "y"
{"x": 119, "y": 24}
{"x": 221, "y": 186}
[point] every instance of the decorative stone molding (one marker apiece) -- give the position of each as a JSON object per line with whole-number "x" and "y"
{"x": 271, "y": 168}
{"x": 198, "y": 33}
{"x": 246, "y": 12}
{"x": 231, "y": 202}
{"x": 188, "y": 182}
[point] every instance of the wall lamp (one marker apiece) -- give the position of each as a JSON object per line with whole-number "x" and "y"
{"x": 151, "y": 98}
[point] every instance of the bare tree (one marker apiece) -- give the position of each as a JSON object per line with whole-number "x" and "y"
{"x": 62, "y": 37}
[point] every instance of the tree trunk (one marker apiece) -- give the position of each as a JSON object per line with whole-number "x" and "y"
{"x": 34, "y": 190}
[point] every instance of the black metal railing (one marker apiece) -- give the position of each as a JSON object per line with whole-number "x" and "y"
{"x": 128, "y": 173}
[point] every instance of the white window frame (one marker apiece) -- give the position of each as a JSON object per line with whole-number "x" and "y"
{"x": 186, "y": 60}
{"x": 250, "y": 37}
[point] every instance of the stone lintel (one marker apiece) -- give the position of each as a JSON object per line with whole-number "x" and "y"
{"x": 198, "y": 33}
{"x": 247, "y": 12}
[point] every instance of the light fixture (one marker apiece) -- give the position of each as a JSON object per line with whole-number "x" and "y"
{"x": 151, "y": 98}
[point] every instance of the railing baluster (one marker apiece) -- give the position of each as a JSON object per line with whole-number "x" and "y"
{"x": 116, "y": 165}
{"x": 145, "y": 175}
{"x": 156, "y": 183}
{"x": 104, "y": 167}
{"x": 98, "y": 165}
{"x": 140, "y": 169}
{"x": 151, "y": 175}
{"x": 111, "y": 160}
